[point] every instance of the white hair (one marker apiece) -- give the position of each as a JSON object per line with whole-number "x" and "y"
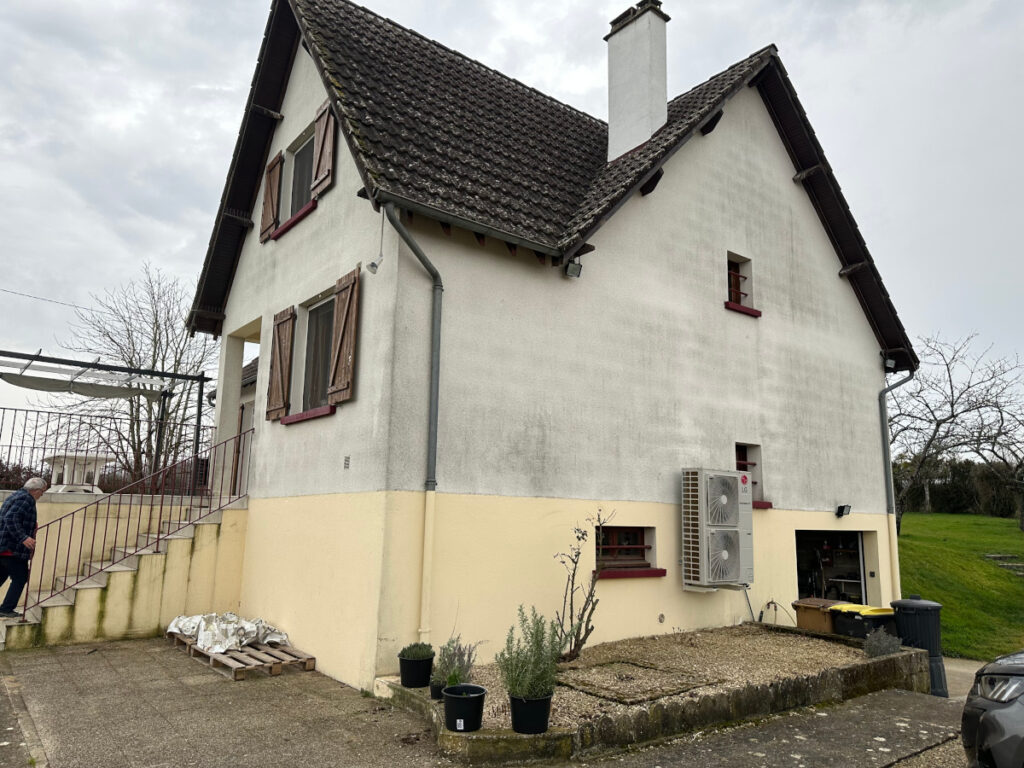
{"x": 34, "y": 484}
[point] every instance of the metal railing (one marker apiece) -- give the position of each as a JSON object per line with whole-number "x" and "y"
{"x": 106, "y": 451}
{"x": 135, "y": 519}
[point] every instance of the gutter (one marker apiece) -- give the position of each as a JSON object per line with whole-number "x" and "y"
{"x": 890, "y": 496}
{"x": 430, "y": 484}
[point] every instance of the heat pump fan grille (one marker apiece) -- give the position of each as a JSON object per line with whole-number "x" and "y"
{"x": 723, "y": 500}
{"x": 724, "y": 556}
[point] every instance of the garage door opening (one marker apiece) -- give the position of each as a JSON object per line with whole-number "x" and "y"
{"x": 830, "y": 564}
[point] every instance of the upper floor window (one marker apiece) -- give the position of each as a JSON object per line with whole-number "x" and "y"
{"x": 295, "y": 178}
{"x": 302, "y": 175}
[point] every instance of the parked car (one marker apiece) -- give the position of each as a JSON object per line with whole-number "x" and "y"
{"x": 993, "y": 721}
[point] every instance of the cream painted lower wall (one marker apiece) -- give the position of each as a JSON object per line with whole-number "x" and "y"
{"x": 341, "y": 573}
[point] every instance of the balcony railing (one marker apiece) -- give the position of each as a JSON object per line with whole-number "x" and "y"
{"x": 90, "y": 450}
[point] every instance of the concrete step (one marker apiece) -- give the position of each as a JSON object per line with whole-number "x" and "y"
{"x": 96, "y": 581}
{"x": 190, "y": 520}
{"x": 98, "y": 567}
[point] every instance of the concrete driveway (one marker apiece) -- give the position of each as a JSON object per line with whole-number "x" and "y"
{"x": 145, "y": 704}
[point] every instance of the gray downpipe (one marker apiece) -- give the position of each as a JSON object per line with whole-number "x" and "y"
{"x": 883, "y": 412}
{"x": 435, "y": 341}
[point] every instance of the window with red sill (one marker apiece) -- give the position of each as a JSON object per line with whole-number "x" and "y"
{"x": 625, "y": 552}
{"x": 748, "y": 459}
{"x": 739, "y": 286}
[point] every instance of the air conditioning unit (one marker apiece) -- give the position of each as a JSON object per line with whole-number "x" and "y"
{"x": 718, "y": 535}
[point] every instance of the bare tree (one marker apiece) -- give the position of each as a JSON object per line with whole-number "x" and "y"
{"x": 999, "y": 444}
{"x": 141, "y": 324}
{"x": 961, "y": 403}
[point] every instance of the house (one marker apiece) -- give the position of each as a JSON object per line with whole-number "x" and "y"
{"x": 483, "y": 316}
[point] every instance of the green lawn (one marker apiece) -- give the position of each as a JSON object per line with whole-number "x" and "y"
{"x": 942, "y": 558}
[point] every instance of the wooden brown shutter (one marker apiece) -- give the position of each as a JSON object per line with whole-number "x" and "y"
{"x": 343, "y": 342}
{"x": 281, "y": 364}
{"x": 271, "y": 198}
{"x": 323, "y": 150}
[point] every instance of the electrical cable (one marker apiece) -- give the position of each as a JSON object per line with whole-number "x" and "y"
{"x": 54, "y": 301}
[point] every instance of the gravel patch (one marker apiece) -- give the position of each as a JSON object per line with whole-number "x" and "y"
{"x": 694, "y": 663}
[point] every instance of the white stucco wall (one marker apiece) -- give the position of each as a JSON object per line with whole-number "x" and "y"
{"x": 308, "y": 458}
{"x": 604, "y": 387}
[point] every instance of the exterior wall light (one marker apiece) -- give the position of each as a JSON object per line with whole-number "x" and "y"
{"x": 842, "y": 510}
{"x": 573, "y": 268}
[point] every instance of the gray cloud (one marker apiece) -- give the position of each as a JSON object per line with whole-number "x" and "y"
{"x": 117, "y": 123}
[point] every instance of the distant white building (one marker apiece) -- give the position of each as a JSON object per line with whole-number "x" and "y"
{"x": 76, "y": 473}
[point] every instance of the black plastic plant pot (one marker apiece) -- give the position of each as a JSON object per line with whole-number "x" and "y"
{"x": 530, "y": 715}
{"x": 463, "y": 707}
{"x": 415, "y": 672}
{"x": 435, "y": 689}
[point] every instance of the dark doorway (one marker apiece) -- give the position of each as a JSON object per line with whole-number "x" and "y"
{"x": 830, "y": 564}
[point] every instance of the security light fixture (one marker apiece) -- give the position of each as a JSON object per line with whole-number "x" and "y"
{"x": 573, "y": 268}
{"x": 842, "y": 510}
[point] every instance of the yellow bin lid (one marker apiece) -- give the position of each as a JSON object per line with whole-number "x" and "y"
{"x": 849, "y": 608}
{"x": 878, "y": 612}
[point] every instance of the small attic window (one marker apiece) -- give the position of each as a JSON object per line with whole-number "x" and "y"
{"x": 739, "y": 285}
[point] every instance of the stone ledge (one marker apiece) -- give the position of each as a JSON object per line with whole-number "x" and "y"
{"x": 483, "y": 746}
{"x": 907, "y": 670}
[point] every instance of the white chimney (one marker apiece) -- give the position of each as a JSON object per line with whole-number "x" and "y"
{"x": 637, "y": 77}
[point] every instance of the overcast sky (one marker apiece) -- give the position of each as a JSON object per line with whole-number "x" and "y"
{"x": 118, "y": 119}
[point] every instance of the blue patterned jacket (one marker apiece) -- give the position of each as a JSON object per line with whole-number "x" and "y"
{"x": 17, "y": 523}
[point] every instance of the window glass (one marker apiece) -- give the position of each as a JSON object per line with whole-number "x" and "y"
{"x": 302, "y": 176}
{"x": 622, "y": 547}
{"x": 318, "y": 354}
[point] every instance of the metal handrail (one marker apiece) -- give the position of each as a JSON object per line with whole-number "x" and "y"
{"x": 74, "y": 547}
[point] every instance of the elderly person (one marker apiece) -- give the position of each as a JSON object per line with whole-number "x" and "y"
{"x": 17, "y": 541}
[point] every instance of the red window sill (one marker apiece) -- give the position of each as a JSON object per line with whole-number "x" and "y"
{"x": 312, "y": 413}
{"x": 762, "y": 505}
{"x": 736, "y": 308}
{"x": 630, "y": 573}
{"x": 300, "y": 214}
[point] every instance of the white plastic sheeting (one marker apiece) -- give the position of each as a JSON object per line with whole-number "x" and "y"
{"x": 217, "y": 633}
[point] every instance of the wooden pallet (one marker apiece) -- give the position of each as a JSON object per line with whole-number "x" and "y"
{"x": 259, "y": 656}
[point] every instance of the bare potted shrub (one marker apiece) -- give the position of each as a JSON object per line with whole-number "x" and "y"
{"x": 528, "y": 665}
{"x": 454, "y": 665}
{"x": 414, "y": 664}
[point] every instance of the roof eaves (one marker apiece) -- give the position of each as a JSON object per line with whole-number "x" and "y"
{"x": 228, "y": 234}
{"x": 333, "y": 89}
{"x": 478, "y": 227}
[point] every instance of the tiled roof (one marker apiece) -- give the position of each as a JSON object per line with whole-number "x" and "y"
{"x": 433, "y": 127}
{"x": 440, "y": 133}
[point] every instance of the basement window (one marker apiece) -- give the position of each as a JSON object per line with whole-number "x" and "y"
{"x": 739, "y": 285}
{"x": 625, "y": 552}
